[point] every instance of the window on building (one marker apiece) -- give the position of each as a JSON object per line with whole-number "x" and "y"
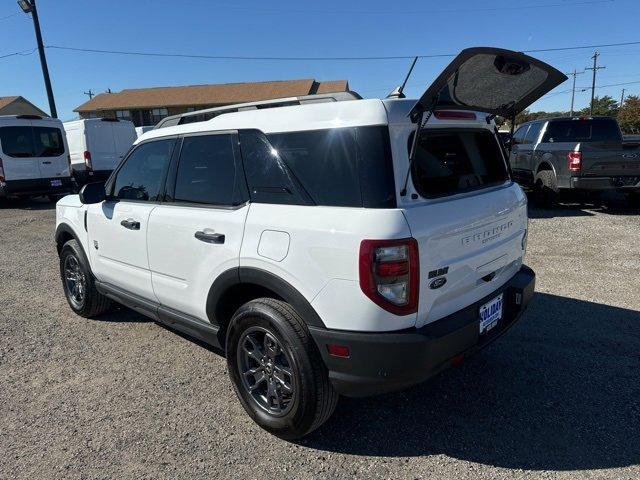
{"x": 142, "y": 174}
{"x": 158, "y": 114}
{"x": 123, "y": 115}
{"x": 191, "y": 109}
{"x": 92, "y": 115}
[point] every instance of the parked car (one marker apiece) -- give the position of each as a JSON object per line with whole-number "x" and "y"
{"x": 143, "y": 129}
{"x": 97, "y": 145}
{"x": 34, "y": 158}
{"x": 338, "y": 248}
{"x": 583, "y": 154}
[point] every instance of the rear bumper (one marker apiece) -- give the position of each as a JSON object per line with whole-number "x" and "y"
{"x": 38, "y": 186}
{"x": 382, "y": 362}
{"x": 622, "y": 183}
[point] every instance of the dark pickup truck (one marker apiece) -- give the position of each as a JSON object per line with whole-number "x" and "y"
{"x": 579, "y": 154}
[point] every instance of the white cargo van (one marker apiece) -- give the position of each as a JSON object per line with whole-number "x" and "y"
{"x": 143, "y": 129}
{"x": 34, "y": 158}
{"x": 97, "y": 145}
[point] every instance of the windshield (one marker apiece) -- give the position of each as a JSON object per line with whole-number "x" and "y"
{"x": 448, "y": 162}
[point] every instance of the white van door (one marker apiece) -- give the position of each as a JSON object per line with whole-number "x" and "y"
{"x": 50, "y": 150}
{"x": 124, "y": 134}
{"x": 100, "y": 145}
{"x": 16, "y": 139}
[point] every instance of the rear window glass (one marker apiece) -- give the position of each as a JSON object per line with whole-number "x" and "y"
{"x": 27, "y": 142}
{"x": 48, "y": 142}
{"x": 587, "y": 130}
{"x": 451, "y": 162}
{"x": 345, "y": 167}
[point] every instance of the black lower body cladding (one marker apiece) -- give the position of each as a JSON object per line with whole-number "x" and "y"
{"x": 626, "y": 183}
{"x": 383, "y": 362}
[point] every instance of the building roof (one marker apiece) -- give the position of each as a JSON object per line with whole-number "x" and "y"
{"x": 22, "y": 106}
{"x": 206, "y": 95}
{"x": 4, "y": 101}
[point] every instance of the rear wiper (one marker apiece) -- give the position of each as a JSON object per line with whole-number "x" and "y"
{"x": 422, "y": 120}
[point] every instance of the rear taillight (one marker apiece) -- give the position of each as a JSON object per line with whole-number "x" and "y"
{"x": 389, "y": 274}
{"x": 453, "y": 115}
{"x": 87, "y": 160}
{"x": 574, "y": 160}
{"x": 1, "y": 171}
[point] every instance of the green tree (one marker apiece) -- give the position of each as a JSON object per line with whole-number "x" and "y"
{"x": 602, "y": 106}
{"x": 629, "y": 115}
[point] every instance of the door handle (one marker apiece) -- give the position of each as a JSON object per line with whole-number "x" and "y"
{"x": 46, "y": 163}
{"x": 210, "y": 237}
{"x": 130, "y": 224}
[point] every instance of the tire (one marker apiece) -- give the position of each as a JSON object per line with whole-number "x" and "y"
{"x": 633, "y": 199}
{"x": 546, "y": 189}
{"x": 309, "y": 399}
{"x": 85, "y": 300}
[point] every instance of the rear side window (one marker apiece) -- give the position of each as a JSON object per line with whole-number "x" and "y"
{"x": 583, "y": 130}
{"x": 533, "y": 133}
{"x": 269, "y": 179}
{"x": 142, "y": 174}
{"x": 48, "y": 142}
{"x": 345, "y": 167}
{"x": 17, "y": 141}
{"x": 448, "y": 162}
{"x": 207, "y": 171}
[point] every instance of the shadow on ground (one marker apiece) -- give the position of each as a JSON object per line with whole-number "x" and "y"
{"x": 36, "y": 203}
{"x": 560, "y": 391}
{"x": 610, "y": 203}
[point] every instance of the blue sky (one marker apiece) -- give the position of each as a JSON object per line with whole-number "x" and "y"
{"x": 288, "y": 28}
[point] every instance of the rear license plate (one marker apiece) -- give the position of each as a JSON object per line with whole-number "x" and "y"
{"x": 56, "y": 183}
{"x": 490, "y": 314}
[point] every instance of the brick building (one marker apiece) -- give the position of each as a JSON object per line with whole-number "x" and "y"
{"x": 147, "y": 106}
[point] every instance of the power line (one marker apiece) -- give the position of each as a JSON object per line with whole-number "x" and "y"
{"x": 386, "y": 57}
{"x": 412, "y": 12}
{"x": 21, "y": 52}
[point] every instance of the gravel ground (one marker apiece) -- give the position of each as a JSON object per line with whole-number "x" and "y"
{"x": 121, "y": 397}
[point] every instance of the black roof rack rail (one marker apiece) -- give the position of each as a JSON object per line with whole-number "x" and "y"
{"x": 29, "y": 117}
{"x": 209, "y": 113}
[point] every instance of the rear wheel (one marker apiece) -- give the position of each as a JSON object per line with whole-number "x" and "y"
{"x": 78, "y": 282}
{"x": 276, "y": 370}
{"x": 546, "y": 189}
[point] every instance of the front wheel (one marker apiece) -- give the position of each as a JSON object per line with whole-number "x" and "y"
{"x": 276, "y": 370}
{"x": 78, "y": 283}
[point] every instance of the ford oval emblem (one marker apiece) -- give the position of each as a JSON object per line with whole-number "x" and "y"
{"x": 437, "y": 283}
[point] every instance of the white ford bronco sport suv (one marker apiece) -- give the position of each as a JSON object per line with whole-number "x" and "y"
{"x": 326, "y": 248}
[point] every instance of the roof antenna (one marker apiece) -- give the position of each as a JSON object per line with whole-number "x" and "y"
{"x": 397, "y": 93}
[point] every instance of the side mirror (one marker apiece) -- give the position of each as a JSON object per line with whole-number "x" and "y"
{"x": 92, "y": 193}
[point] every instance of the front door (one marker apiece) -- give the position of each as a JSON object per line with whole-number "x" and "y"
{"x": 197, "y": 235}
{"x": 118, "y": 227}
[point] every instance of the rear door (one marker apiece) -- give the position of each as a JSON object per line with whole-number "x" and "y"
{"x": 16, "y": 140}
{"x": 470, "y": 222}
{"x": 492, "y": 80}
{"x": 101, "y": 145}
{"x": 197, "y": 233}
{"x": 124, "y": 134}
{"x": 50, "y": 150}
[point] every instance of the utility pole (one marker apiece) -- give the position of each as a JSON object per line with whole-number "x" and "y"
{"x": 573, "y": 89}
{"x": 622, "y": 97}
{"x": 595, "y": 68}
{"x": 90, "y": 94}
{"x": 29, "y": 6}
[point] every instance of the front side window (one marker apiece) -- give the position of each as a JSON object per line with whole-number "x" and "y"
{"x": 48, "y": 142}
{"x": 207, "y": 171}
{"x": 17, "y": 141}
{"x": 142, "y": 174}
{"x": 518, "y": 136}
{"x": 448, "y": 162}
